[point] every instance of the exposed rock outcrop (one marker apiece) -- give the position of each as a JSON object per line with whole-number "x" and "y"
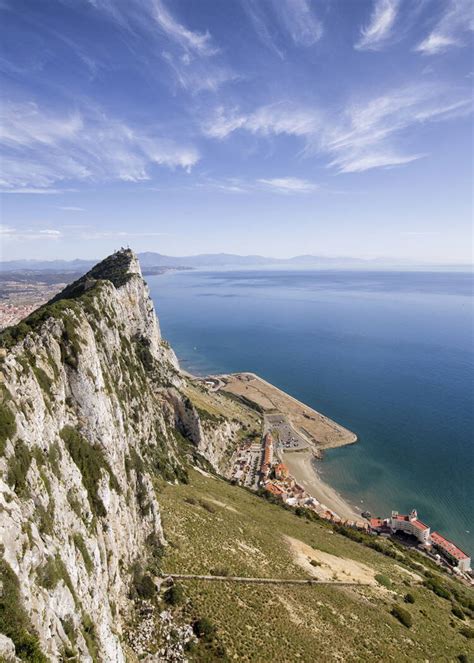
{"x": 90, "y": 412}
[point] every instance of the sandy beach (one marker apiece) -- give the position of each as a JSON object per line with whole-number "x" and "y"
{"x": 301, "y": 468}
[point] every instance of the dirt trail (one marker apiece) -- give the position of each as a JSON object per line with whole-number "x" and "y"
{"x": 327, "y": 566}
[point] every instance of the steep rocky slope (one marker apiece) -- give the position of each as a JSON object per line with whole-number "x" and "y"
{"x": 91, "y": 412}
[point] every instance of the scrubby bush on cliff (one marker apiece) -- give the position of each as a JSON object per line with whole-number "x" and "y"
{"x": 402, "y": 615}
{"x": 14, "y": 622}
{"x": 174, "y": 595}
{"x": 91, "y": 461}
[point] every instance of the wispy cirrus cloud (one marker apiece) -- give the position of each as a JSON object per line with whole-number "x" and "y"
{"x": 197, "y": 42}
{"x": 300, "y": 21}
{"x": 189, "y": 53}
{"x": 288, "y": 185}
{"x": 378, "y": 31}
{"x": 450, "y": 31}
{"x": 273, "y": 21}
{"x": 69, "y": 208}
{"x": 41, "y": 148}
{"x": 272, "y": 119}
{"x": 10, "y": 233}
{"x": 239, "y": 185}
{"x": 363, "y": 136}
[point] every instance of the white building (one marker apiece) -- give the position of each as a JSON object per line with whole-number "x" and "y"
{"x": 411, "y": 525}
{"x": 454, "y": 555}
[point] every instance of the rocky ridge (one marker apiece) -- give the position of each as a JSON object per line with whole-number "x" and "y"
{"x": 91, "y": 414}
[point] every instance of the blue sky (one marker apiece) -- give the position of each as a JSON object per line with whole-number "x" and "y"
{"x": 279, "y": 127}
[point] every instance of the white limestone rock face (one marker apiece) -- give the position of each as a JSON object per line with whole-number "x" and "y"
{"x": 94, "y": 393}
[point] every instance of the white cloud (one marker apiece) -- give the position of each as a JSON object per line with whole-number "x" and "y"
{"x": 382, "y": 20}
{"x": 456, "y": 19}
{"x": 275, "y": 19}
{"x": 197, "y": 75}
{"x": 197, "y": 42}
{"x": 281, "y": 118}
{"x": 239, "y": 185}
{"x": 365, "y": 135}
{"x": 26, "y": 234}
{"x": 32, "y": 190}
{"x": 42, "y": 148}
{"x": 289, "y": 185}
{"x": 67, "y": 208}
{"x": 300, "y": 21}
{"x": 159, "y": 34}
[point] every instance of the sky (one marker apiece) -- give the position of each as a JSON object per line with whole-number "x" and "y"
{"x": 272, "y": 127}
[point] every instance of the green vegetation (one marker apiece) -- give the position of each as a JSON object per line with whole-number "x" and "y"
{"x": 383, "y": 580}
{"x": 88, "y": 631}
{"x": 7, "y": 420}
{"x": 402, "y": 615}
{"x": 18, "y": 466}
{"x": 457, "y": 612}
{"x": 81, "y": 546}
{"x": 91, "y": 461}
{"x": 204, "y": 628}
{"x": 142, "y": 585}
{"x": 52, "y": 572}
{"x": 409, "y": 598}
{"x": 246, "y": 536}
{"x": 174, "y": 595}
{"x": 14, "y": 621}
{"x": 43, "y": 380}
{"x": 44, "y": 518}
{"x": 54, "y": 458}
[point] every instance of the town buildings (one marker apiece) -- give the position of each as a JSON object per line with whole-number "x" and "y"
{"x": 454, "y": 554}
{"x": 410, "y": 525}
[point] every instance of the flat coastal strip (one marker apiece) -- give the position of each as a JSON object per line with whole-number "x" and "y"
{"x": 262, "y": 581}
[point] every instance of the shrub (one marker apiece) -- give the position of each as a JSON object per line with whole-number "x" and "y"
{"x": 467, "y": 632}
{"x": 7, "y": 425}
{"x": 174, "y": 595}
{"x": 14, "y": 621}
{"x": 88, "y": 631}
{"x": 90, "y": 461}
{"x": 18, "y": 466}
{"x": 52, "y": 572}
{"x": 142, "y": 585}
{"x": 204, "y": 628}
{"x": 81, "y": 546}
{"x": 45, "y": 517}
{"x": 207, "y": 506}
{"x": 435, "y": 586}
{"x": 402, "y": 615}
{"x": 409, "y": 598}
{"x": 383, "y": 580}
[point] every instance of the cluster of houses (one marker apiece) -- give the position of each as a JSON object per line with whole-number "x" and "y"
{"x": 275, "y": 477}
{"x": 280, "y": 483}
{"x": 431, "y": 542}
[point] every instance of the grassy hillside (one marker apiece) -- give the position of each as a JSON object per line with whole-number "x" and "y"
{"x": 218, "y": 529}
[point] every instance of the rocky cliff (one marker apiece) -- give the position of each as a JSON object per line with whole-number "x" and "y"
{"x": 92, "y": 414}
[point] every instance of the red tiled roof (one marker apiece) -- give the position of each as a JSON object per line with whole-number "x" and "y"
{"x": 419, "y": 524}
{"x": 276, "y": 490}
{"x": 416, "y": 523}
{"x": 448, "y": 546}
{"x": 376, "y": 522}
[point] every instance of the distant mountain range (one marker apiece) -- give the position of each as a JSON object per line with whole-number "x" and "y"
{"x": 150, "y": 260}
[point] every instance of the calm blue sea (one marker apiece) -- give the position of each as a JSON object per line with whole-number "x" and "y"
{"x": 389, "y": 355}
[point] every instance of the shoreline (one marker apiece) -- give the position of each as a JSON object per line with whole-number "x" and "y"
{"x": 301, "y": 468}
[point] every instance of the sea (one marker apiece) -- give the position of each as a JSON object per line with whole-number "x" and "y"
{"x": 390, "y": 355}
